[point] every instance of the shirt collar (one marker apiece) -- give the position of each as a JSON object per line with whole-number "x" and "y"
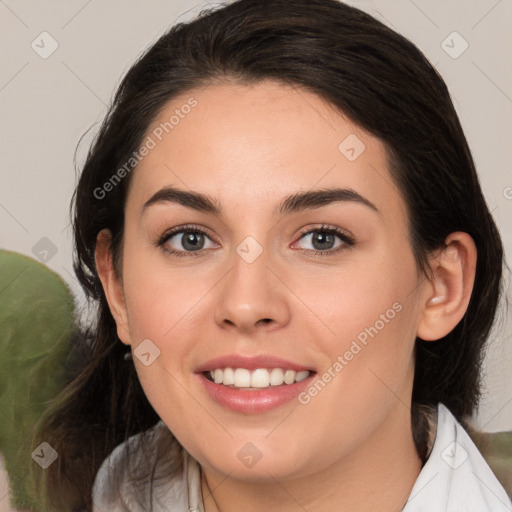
{"x": 455, "y": 477}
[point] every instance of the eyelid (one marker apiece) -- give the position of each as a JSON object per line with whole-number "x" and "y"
{"x": 325, "y": 227}
{"x": 186, "y": 227}
{"x": 346, "y": 238}
{"x": 162, "y": 241}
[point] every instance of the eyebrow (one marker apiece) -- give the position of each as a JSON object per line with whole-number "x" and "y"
{"x": 291, "y": 204}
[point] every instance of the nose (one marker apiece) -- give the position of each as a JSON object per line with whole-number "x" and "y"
{"x": 252, "y": 297}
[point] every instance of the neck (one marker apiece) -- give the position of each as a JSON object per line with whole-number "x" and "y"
{"x": 378, "y": 475}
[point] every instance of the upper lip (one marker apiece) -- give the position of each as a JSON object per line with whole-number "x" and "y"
{"x": 250, "y": 362}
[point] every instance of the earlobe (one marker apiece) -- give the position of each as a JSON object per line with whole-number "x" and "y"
{"x": 449, "y": 290}
{"x": 112, "y": 285}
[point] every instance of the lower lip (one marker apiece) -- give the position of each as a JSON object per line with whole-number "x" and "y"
{"x": 257, "y": 401}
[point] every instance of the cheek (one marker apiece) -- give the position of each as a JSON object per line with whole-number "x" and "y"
{"x": 370, "y": 314}
{"x": 163, "y": 307}
{"x": 364, "y": 294}
{"x": 169, "y": 307}
{"x": 160, "y": 299}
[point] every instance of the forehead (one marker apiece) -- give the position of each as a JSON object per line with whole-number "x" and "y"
{"x": 254, "y": 144}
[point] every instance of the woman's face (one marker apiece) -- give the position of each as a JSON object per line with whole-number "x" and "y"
{"x": 248, "y": 292}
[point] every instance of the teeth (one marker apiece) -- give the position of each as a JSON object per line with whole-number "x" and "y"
{"x": 260, "y": 378}
{"x": 289, "y": 377}
{"x": 242, "y": 378}
{"x": 304, "y": 374}
{"x": 217, "y": 376}
{"x": 228, "y": 376}
{"x": 276, "y": 377}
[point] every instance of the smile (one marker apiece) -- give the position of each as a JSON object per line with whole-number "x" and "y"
{"x": 253, "y": 383}
{"x": 260, "y": 378}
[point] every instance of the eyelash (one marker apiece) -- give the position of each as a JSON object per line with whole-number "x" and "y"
{"x": 347, "y": 240}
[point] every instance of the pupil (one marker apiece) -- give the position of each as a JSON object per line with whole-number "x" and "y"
{"x": 191, "y": 240}
{"x": 323, "y": 238}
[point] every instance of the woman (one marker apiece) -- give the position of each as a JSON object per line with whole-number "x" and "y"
{"x": 296, "y": 272}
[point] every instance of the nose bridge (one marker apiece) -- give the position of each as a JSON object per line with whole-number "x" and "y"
{"x": 251, "y": 296}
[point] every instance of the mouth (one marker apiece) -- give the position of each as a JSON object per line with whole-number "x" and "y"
{"x": 261, "y": 378}
{"x": 253, "y": 384}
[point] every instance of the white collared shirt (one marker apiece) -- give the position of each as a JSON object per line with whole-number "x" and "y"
{"x": 455, "y": 478}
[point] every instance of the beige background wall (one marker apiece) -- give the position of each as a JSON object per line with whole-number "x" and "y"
{"x": 48, "y": 101}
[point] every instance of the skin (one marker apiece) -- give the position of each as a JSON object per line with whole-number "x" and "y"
{"x": 249, "y": 147}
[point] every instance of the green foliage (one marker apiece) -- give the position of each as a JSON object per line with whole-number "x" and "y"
{"x": 36, "y": 325}
{"x": 497, "y": 451}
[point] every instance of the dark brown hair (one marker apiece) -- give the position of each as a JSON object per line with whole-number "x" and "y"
{"x": 380, "y": 81}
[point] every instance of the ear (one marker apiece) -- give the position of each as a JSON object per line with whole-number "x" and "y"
{"x": 449, "y": 291}
{"x": 112, "y": 284}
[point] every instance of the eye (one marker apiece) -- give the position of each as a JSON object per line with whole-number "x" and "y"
{"x": 193, "y": 241}
{"x": 185, "y": 240}
{"x": 326, "y": 240}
